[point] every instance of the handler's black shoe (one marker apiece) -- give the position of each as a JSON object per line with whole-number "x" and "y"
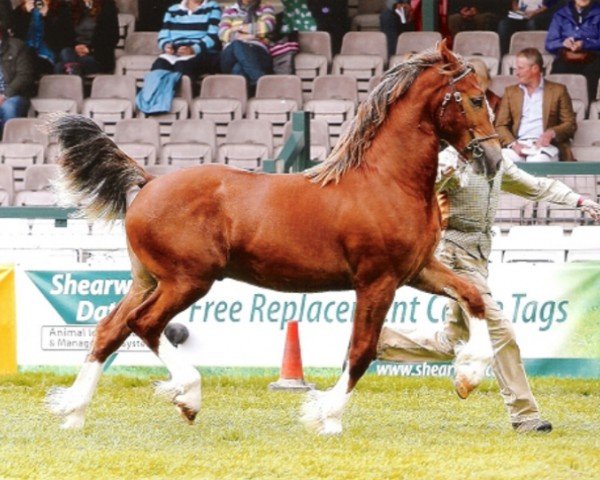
{"x": 535, "y": 425}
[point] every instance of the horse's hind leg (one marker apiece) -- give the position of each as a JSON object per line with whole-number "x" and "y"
{"x": 71, "y": 403}
{"x": 148, "y": 322}
{"x": 323, "y": 411}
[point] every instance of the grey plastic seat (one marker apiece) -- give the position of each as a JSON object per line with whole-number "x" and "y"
{"x": 180, "y": 108}
{"x": 577, "y": 88}
{"x": 222, "y": 99}
{"x": 126, "y": 26}
{"x": 6, "y": 185}
{"x": 363, "y": 55}
{"x": 277, "y": 96}
{"x": 139, "y": 53}
{"x": 192, "y": 142}
{"x": 247, "y": 144}
{"x": 484, "y": 45}
{"x": 586, "y": 142}
{"x": 160, "y": 170}
{"x": 499, "y": 83}
{"x": 313, "y": 59}
{"x": 112, "y": 99}
{"x": 413, "y": 42}
{"x": 526, "y": 39}
{"x": 367, "y": 15}
{"x": 37, "y": 186}
{"x": 319, "y": 139}
{"x": 335, "y": 98}
{"x": 57, "y": 93}
{"x": 139, "y": 138}
{"x": 24, "y": 130}
{"x": 128, "y": 6}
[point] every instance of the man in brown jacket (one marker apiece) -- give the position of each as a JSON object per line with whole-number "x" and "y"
{"x": 536, "y": 119}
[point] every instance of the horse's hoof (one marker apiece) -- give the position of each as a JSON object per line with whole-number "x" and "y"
{"x": 187, "y": 413}
{"x": 331, "y": 426}
{"x": 73, "y": 421}
{"x": 462, "y": 387}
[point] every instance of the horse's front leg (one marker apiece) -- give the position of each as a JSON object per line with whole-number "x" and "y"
{"x": 322, "y": 411}
{"x": 472, "y": 358}
{"x": 436, "y": 278}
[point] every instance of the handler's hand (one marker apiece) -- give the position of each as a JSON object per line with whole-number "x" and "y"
{"x": 545, "y": 138}
{"x": 591, "y": 208}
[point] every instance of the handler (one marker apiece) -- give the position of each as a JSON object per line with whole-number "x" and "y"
{"x": 469, "y": 204}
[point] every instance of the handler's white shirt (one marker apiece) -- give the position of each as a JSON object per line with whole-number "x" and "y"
{"x": 532, "y": 123}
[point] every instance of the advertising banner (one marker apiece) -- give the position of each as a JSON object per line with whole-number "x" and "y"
{"x": 554, "y": 309}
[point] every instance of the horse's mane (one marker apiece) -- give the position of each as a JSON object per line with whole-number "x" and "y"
{"x": 348, "y": 152}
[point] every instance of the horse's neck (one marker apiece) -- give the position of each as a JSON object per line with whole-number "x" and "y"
{"x": 405, "y": 150}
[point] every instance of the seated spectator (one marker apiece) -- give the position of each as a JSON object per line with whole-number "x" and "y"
{"x": 483, "y": 75}
{"x": 244, "y": 30}
{"x": 16, "y": 77}
{"x": 475, "y": 15}
{"x": 395, "y": 19}
{"x": 189, "y": 38}
{"x": 527, "y": 15}
{"x": 92, "y": 36}
{"x": 331, "y": 17}
{"x": 536, "y": 120}
{"x": 41, "y": 24}
{"x": 296, "y": 17}
{"x": 574, "y": 37}
{"x": 6, "y": 14}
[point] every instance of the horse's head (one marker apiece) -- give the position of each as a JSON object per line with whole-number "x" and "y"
{"x": 463, "y": 116}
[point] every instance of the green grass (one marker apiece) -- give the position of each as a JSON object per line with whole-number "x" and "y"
{"x": 395, "y": 428}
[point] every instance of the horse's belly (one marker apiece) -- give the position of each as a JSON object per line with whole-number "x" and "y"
{"x": 286, "y": 271}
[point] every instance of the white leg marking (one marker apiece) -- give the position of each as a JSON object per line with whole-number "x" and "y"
{"x": 184, "y": 387}
{"x": 70, "y": 403}
{"x": 322, "y": 411}
{"x": 473, "y": 357}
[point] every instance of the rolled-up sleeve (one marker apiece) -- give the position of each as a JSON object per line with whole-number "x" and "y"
{"x": 521, "y": 183}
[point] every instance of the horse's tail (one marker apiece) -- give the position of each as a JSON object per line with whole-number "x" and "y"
{"x": 95, "y": 174}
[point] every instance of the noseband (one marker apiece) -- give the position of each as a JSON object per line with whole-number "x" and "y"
{"x": 473, "y": 147}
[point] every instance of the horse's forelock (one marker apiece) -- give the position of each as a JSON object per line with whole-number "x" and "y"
{"x": 348, "y": 152}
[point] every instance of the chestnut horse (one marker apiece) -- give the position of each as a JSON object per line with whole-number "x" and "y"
{"x": 366, "y": 219}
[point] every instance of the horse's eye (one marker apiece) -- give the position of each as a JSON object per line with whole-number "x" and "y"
{"x": 477, "y": 102}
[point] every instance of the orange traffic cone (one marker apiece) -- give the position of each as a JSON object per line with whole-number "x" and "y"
{"x": 291, "y": 377}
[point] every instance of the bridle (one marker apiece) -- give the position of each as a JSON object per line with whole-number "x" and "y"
{"x": 474, "y": 147}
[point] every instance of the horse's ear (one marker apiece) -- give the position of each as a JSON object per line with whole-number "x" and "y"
{"x": 447, "y": 54}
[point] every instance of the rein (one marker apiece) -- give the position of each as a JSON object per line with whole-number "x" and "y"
{"x": 473, "y": 147}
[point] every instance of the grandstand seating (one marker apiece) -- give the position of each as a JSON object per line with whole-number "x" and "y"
{"x": 126, "y": 26}
{"x": 112, "y": 99}
{"x": 367, "y": 15}
{"x": 363, "y": 55}
{"x": 37, "y": 186}
{"x": 313, "y": 59}
{"x": 277, "y": 96}
{"x": 57, "y": 93}
{"x": 139, "y": 53}
{"x": 222, "y": 99}
{"x": 139, "y": 138}
{"x": 483, "y": 45}
{"x": 335, "y": 98}
{"x": 247, "y": 144}
{"x": 319, "y": 139}
{"x": 577, "y": 88}
{"x": 192, "y": 142}
{"x": 586, "y": 143}
{"x": 180, "y": 107}
{"x": 6, "y": 185}
{"x": 22, "y": 145}
{"x": 413, "y": 42}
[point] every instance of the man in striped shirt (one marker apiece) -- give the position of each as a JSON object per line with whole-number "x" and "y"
{"x": 189, "y": 38}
